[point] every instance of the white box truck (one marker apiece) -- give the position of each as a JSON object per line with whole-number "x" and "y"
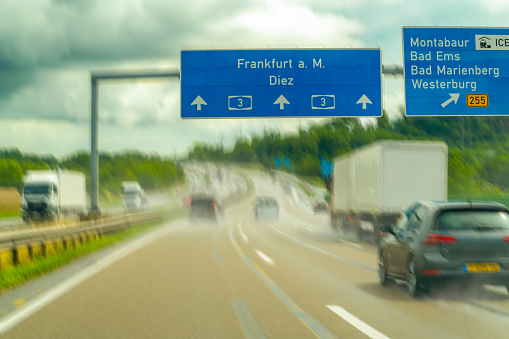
{"x": 373, "y": 184}
{"x": 50, "y": 195}
{"x": 133, "y": 195}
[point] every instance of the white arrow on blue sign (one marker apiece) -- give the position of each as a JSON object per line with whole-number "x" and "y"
{"x": 281, "y": 83}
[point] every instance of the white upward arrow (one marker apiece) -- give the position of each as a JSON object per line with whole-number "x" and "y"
{"x": 281, "y": 101}
{"x": 198, "y": 102}
{"x": 454, "y": 96}
{"x": 364, "y": 100}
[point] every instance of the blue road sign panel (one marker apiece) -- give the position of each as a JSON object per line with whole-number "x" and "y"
{"x": 327, "y": 167}
{"x": 281, "y": 83}
{"x": 456, "y": 71}
{"x": 277, "y": 161}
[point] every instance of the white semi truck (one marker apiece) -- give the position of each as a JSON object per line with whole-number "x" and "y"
{"x": 51, "y": 195}
{"x": 373, "y": 184}
{"x": 133, "y": 195}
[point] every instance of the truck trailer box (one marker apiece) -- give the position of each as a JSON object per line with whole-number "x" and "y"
{"x": 72, "y": 190}
{"x": 376, "y": 182}
{"x": 343, "y": 183}
{"x": 389, "y": 175}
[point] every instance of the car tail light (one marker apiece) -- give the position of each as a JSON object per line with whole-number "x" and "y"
{"x": 506, "y": 238}
{"x": 437, "y": 239}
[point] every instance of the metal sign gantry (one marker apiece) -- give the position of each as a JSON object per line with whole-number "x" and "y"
{"x": 96, "y": 77}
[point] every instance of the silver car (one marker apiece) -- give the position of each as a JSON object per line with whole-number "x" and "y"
{"x": 466, "y": 241}
{"x": 266, "y": 207}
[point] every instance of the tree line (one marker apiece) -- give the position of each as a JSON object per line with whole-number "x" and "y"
{"x": 151, "y": 170}
{"x": 478, "y": 157}
{"x": 478, "y": 152}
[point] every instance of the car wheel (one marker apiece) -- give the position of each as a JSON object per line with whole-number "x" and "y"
{"x": 414, "y": 285}
{"x": 382, "y": 270}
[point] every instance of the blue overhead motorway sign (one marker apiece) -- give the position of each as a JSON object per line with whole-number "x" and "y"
{"x": 281, "y": 83}
{"x": 456, "y": 71}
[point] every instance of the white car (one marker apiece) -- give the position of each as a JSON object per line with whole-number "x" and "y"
{"x": 266, "y": 207}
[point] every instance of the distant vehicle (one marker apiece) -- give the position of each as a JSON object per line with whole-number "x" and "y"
{"x": 133, "y": 196}
{"x": 320, "y": 206}
{"x": 374, "y": 184}
{"x": 50, "y": 195}
{"x": 466, "y": 241}
{"x": 266, "y": 207}
{"x": 203, "y": 206}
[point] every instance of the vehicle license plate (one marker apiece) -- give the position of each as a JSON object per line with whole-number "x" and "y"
{"x": 482, "y": 268}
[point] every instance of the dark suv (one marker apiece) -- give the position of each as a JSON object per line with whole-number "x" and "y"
{"x": 203, "y": 206}
{"x": 466, "y": 241}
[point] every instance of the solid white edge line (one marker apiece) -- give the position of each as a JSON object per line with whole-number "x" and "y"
{"x": 265, "y": 257}
{"x": 356, "y": 322}
{"x": 23, "y": 313}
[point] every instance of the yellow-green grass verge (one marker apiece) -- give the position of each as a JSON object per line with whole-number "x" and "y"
{"x": 10, "y": 202}
{"x": 13, "y": 276}
{"x": 9, "y": 214}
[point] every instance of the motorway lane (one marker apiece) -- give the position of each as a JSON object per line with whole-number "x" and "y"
{"x": 239, "y": 279}
{"x": 188, "y": 283}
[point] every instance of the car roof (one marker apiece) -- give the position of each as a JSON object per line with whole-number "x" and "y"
{"x": 464, "y": 204}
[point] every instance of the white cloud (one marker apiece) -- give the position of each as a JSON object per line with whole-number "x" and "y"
{"x": 44, "y": 137}
{"x": 287, "y": 24}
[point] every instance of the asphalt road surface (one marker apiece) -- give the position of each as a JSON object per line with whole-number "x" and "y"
{"x": 242, "y": 278}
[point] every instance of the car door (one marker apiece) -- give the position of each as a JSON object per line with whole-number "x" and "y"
{"x": 392, "y": 244}
{"x": 406, "y": 237}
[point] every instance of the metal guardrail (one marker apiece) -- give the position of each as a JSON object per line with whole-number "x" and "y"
{"x": 102, "y": 226}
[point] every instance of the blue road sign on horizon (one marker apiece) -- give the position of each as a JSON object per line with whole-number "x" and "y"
{"x": 456, "y": 71}
{"x": 281, "y": 83}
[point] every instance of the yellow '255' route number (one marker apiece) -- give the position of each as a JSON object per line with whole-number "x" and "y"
{"x": 477, "y": 100}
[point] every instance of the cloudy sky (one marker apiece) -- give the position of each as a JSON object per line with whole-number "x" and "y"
{"x": 49, "y": 47}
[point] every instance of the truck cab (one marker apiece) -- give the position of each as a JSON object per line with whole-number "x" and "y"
{"x": 133, "y": 196}
{"x": 39, "y": 198}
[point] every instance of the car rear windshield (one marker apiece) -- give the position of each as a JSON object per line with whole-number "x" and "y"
{"x": 473, "y": 220}
{"x": 267, "y": 202}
